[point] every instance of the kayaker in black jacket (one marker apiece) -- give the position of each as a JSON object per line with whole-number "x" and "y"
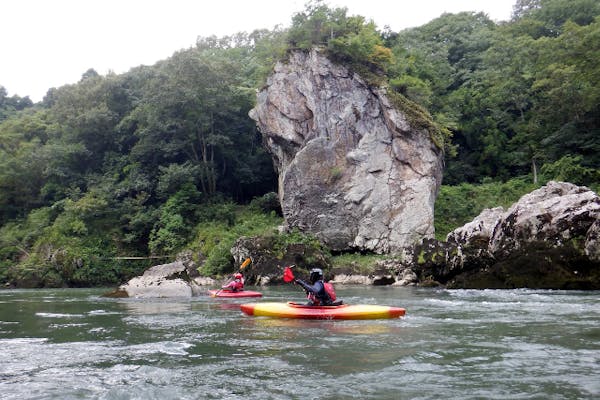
{"x": 318, "y": 293}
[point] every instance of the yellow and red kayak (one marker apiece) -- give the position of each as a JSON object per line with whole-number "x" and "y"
{"x": 230, "y": 294}
{"x": 344, "y": 311}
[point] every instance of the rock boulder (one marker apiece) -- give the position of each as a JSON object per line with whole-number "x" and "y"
{"x": 165, "y": 280}
{"x": 547, "y": 239}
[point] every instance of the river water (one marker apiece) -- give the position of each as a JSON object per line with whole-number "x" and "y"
{"x": 452, "y": 344}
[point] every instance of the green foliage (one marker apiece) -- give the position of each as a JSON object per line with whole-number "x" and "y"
{"x": 570, "y": 169}
{"x": 219, "y": 260}
{"x": 318, "y": 23}
{"x": 362, "y": 48}
{"x": 413, "y": 88}
{"x": 457, "y": 205}
{"x": 268, "y": 203}
{"x": 218, "y": 210}
{"x": 283, "y": 240}
{"x": 420, "y": 118}
{"x": 173, "y": 176}
{"x": 11, "y": 105}
{"x": 514, "y": 96}
{"x": 177, "y": 217}
{"x": 348, "y": 39}
{"x": 356, "y": 263}
{"x": 268, "y": 47}
{"x": 214, "y": 239}
{"x": 547, "y": 17}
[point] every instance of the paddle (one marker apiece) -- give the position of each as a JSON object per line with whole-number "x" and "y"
{"x": 288, "y": 275}
{"x": 246, "y": 262}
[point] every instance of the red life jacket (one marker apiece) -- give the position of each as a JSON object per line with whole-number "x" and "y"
{"x": 235, "y": 285}
{"x": 330, "y": 290}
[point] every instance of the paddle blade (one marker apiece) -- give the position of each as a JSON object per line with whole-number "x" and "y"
{"x": 245, "y": 263}
{"x": 288, "y": 275}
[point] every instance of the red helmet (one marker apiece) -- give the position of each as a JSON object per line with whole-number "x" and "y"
{"x": 238, "y": 276}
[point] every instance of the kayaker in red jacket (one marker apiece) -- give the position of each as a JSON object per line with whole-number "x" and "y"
{"x": 236, "y": 285}
{"x": 318, "y": 292}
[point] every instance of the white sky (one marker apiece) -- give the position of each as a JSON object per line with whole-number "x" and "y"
{"x": 50, "y": 43}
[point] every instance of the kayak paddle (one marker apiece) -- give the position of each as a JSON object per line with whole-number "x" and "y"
{"x": 288, "y": 275}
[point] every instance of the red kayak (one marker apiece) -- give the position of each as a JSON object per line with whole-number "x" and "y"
{"x": 230, "y": 294}
{"x": 295, "y": 310}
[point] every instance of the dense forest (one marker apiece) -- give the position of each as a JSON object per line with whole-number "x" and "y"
{"x": 164, "y": 158}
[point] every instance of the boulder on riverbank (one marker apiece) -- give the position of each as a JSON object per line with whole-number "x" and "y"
{"x": 548, "y": 239}
{"x": 165, "y": 280}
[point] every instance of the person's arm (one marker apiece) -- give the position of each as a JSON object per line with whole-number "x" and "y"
{"x": 306, "y": 286}
{"x": 229, "y": 285}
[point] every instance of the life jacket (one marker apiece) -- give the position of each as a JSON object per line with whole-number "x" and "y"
{"x": 235, "y": 285}
{"x": 330, "y": 290}
{"x": 238, "y": 285}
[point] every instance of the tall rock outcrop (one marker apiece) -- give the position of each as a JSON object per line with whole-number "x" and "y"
{"x": 353, "y": 169}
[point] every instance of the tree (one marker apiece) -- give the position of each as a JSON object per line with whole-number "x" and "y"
{"x": 176, "y": 220}
{"x": 437, "y": 66}
{"x": 546, "y": 17}
{"x": 10, "y": 105}
{"x": 523, "y": 8}
{"x": 348, "y": 39}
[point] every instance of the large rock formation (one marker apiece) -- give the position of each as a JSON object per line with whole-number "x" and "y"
{"x": 548, "y": 239}
{"x": 353, "y": 169}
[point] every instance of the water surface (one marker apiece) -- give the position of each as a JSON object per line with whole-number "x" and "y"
{"x": 452, "y": 344}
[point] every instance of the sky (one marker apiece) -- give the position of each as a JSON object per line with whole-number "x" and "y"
{"x": 50, "y": 43}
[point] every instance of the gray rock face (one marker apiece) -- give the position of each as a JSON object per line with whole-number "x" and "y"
{"x": 592, "y": 242}
{"x": 479, "y": 230}
{"x": 554, "y": 214}
{"x": 352, "y": 170}
{"x": 547, "y": 239}
{"x": 165, "y": 280}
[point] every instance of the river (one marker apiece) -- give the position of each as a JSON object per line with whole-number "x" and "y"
{"x": 452, "y": 344}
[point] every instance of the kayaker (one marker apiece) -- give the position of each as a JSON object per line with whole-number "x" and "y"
{"x": 319, "y": 293}
{"x": 236, "y": 285}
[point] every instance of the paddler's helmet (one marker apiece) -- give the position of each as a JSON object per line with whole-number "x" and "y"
{"x": 238, "y": 276}
{"x": 316, "y": 274}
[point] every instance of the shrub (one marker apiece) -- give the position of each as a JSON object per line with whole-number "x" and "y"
{"x": 457, "y": 205}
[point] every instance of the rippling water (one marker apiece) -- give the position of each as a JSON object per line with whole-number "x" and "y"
{"x": 452, "y": 344}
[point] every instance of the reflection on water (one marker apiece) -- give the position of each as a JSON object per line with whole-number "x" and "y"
{"x": 163, "y": 306}
{"x": 462, "y": 344}
{"x": 225, "y": 305}
{"x": 331, "y": 327}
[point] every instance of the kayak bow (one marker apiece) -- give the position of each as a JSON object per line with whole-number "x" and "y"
{"x": 344, "y": 311}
